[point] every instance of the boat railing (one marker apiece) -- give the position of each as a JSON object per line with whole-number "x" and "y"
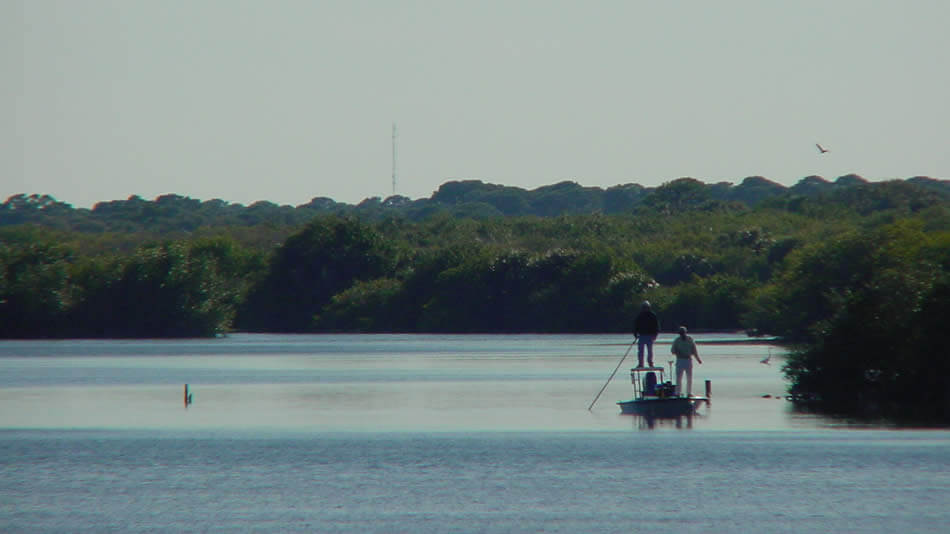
{"x": 640, "y": 375}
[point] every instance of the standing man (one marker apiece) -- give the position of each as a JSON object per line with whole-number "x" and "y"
{"x": 684, "y": 348}
{"x": 645, "y": 329}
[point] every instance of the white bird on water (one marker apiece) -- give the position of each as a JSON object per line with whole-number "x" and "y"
{"x": 768, "y": 359}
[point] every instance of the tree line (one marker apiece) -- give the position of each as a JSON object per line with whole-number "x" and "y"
{"x": 173, "y": 213}
{"x": 855, "y": 280}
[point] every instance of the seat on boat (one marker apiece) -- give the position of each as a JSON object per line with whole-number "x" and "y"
{"x": 649, "y": 383}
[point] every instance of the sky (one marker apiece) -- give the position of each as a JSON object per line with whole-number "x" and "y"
{"x": 288, "y": 100}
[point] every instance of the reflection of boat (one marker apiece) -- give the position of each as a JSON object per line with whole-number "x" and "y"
{"x": 647, "y": 422}
{"x": 654, "y": 397}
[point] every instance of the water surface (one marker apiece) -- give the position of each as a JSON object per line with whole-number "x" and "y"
{"x": 395, "y": 433}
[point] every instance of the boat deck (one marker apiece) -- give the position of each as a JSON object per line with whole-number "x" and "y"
{"x": 655, "y": 397}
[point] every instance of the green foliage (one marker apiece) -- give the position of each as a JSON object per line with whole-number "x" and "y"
{"x": 167, "y": 290}
{"x": 174, "y": 289}
{"x": 34, "y": 289}
{"x": 856, "y": 305}
{"x": 678, "y": 196}
{"x": 367, "y": 306}
{"x": 716, "y": 302}
{"x": 813, "y": 196}
{"x": 486, "y": 290}
{"x": 454, "y": 264}
{"x": 813, "y": 285}
{"x": 466, "y": 296}
{"x": 622, "y": 198}
{"x": 328, "y": 256}
{"x": 513, "y": 291}
{"x": 892, "y": 196}
{"x": 875, "y": 357}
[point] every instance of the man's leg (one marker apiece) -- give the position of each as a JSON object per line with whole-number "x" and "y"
{"x": 679, "y": 378}
{"x": 640, "y": 342}
{"x": 689, "y": 379}
{"x": 650, "y": 341}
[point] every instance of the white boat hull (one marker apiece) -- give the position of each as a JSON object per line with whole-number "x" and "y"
{"x": 662, "y": 407}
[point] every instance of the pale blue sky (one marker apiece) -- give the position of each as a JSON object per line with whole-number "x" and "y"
{"x": 289, "y": 100}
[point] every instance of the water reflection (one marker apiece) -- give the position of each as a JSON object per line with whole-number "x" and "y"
{"x": 651, "y": 422}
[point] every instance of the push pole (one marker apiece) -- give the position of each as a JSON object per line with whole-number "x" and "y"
{"x": 611, "y": 375}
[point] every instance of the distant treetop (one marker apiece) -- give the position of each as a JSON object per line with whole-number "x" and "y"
{"x": 473, "y": 199}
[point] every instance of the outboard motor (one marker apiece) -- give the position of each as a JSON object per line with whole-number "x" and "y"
{"x": 649, "y": 383}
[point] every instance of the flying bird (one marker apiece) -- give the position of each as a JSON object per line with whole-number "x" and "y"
{"x": 821, "y": 148}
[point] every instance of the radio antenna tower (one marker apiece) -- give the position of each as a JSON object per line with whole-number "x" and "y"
{"x": 394, "y": 159}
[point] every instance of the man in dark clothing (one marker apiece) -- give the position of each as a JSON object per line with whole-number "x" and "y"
{"x": 645, "y": 328}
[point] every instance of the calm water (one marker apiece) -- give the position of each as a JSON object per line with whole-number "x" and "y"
{"x": 433, "y": 434}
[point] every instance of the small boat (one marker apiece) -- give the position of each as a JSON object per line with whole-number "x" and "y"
{"x": 655, "y": 397}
